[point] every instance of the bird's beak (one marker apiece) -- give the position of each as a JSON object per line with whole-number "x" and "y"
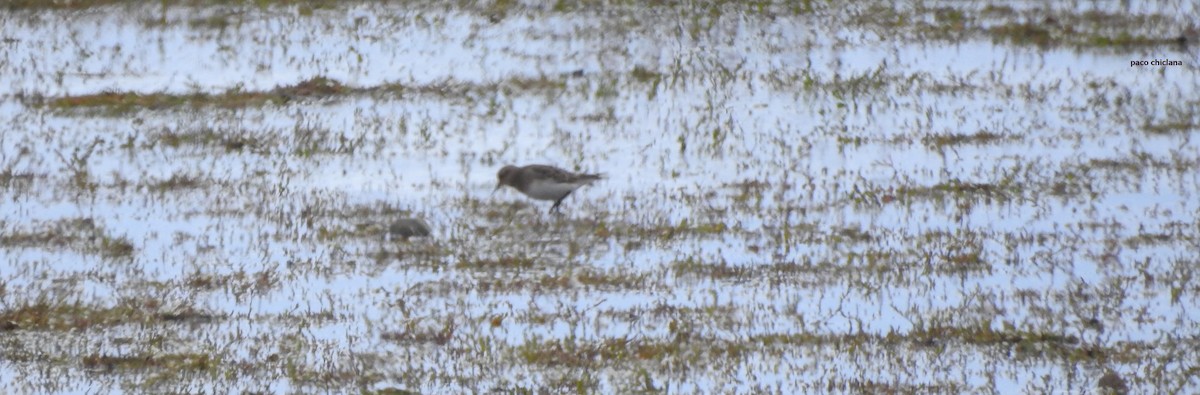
{"x": 497, "y": 188}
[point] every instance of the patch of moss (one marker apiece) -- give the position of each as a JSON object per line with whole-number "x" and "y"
{"x": 79, "y": 234}
{"x": 1023, "y": 33}
{"x": 184, "y": 362}
{"x": 414, "y": 332}
{"x": 951, "y": 139}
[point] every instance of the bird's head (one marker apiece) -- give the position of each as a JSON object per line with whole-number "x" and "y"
{"x": 504, "y": 177}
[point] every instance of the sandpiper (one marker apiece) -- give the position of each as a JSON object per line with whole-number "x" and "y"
{"x": 544, "y": 182}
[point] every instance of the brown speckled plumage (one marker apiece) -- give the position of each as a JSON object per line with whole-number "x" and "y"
{"x": 544, "y": 182}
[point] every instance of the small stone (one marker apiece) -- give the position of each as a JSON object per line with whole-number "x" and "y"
{"x": 1112, "y": 383}
{"x": 408, "y": 227}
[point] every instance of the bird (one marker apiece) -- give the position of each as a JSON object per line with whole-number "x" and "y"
{"x": 543, "y": 182}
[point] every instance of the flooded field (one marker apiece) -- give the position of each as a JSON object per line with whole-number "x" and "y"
{"x": 800, "y": 197}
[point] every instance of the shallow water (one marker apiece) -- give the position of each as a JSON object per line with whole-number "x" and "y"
{"x": 786, "y": 207}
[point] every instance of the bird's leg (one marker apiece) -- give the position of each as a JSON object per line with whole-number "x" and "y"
{"x": 558, "y": 202}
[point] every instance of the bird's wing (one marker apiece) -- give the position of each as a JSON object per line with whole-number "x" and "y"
{"x": 553, "y": 173}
